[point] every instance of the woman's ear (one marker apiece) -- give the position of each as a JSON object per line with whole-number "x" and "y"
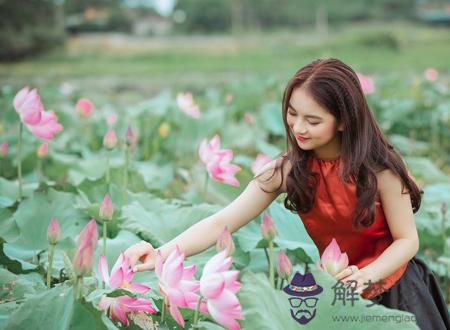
{"x": 341, "y": 127}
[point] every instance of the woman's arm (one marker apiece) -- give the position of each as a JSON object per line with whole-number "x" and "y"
{"x": 200, "y": 236}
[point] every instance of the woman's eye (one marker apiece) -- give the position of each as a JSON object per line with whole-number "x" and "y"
{"x": 292, "y": 114}
{"x": 314, "y": 124}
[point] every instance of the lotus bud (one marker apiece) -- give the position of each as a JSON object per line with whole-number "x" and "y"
{"x": 4, "y": 149}
{"x": 225, "y": 242}
{"x": 87, "y": 243}
{"x": 42, "y": 150}
{"x": 53, "y": 232}
{"x": 268, "y": 229}
{"x": 110, "y": 139}
{"x": 106, "y": 209}
{"x": 284, "y": 266}
{"x": 332, "y": 260}
{"x": 84, "y": 107}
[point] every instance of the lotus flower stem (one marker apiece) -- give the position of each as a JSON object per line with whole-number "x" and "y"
{"x": 281, "y": 284}
{"x": 163, "y": 310}
{"x": 39, "y": 170}
{"x": 197, "y": 311}
{"x": 108, "y": 156}
{"x": 267, "y": 255}
{"x": 205, "y": 188}
{"x": 104, "y": 245}
{"x": 125, "y": 174}
{"x": 50, "y": 262}
{"x": 271, "y": 268}
{"x": 19, "y": 160}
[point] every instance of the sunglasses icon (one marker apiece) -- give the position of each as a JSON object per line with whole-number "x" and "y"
{"x": 309, "y": 302}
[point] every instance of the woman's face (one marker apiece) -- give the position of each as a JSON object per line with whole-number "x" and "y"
{"x": 313, "y": 126}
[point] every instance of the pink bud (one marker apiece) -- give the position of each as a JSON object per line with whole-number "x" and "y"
{"x": 4, "y": 149}
{"x": 112, "y": 119}
{"x": 229, "y": 98}
{"x": 42, "y": 150}
{"x": 106, "y": 209}
{"x": 110, "y": 139}
{"x": 53, "y": 231}
{"x": 225, "y": 242}
{"x": 130, "y": 138}
{"x": 284, "y": 266}
{"x": 84, "y": 107}
{"x": 431, "y": 74}
{"x": 248, "y": 117}
{"x": 87, "y": 243}
{"x": 268, "y": 230}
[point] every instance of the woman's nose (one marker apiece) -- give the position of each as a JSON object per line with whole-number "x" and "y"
{"x": 299, "y": 127}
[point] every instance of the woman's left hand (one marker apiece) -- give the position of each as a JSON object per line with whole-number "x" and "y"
{"x": 353, "y": 273}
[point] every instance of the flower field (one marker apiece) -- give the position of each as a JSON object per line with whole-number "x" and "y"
{"x": 82, "y": 179}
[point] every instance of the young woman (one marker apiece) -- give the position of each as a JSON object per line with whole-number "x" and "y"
{"x": 346, "y": 181}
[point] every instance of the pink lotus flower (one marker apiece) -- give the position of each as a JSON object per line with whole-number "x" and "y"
{"x": 249, "y": 118}
{"x": 121, "y": 275}
{"x": 284, "y": 266}
{"x": 222, "y": 170}
{"x": 87, "y": 243}
{"x": 111, "y": 119}
{"x": 218, "y": 285}
{"x": 4, "y": 148}
{"x": 84, "y": 107}
{"x": 42, "y": 150}
{"x": 431, "y": 74}
{"x": 119, "y": 306}
{"x": 186, "y": 104}
{"x": 268, "y": 229}
{"x": 208, "y": 150}
{"x": 225, "y": 242}
{"x": 218, "y": 160}
{"x": 259, "y": 162}
{"x": 130, "y": 138}
{"x": 332, "y": 260}
{"x": 53, "y": 232}
{"x": 367, "y": 83}
{"x": 176, "y": 284}
{"x": 110, "y": 139}
{"x": 42, "y": 124}
{"x": 106, "y": 209}
{"x": 28, "y": 105}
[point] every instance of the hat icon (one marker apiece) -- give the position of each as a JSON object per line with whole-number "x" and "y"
{"x": 303, "y": 285}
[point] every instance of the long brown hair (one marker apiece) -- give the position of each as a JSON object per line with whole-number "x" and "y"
{"x": 365, "y": 150}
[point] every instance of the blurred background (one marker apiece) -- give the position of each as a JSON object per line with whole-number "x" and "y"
{"x": 147, "y": 45}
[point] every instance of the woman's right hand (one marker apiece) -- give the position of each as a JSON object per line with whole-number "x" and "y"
{"x": 144, "y": 252}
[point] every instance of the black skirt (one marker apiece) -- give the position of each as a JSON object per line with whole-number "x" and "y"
{"x": 417, "y": 292}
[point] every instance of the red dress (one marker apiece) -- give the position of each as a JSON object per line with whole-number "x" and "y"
{"x": 330, "y": 217}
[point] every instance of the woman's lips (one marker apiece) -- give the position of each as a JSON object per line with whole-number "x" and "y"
{"x": 301, "y": 139}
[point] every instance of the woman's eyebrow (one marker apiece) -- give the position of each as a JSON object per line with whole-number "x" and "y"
{"x": 307, "y": 116}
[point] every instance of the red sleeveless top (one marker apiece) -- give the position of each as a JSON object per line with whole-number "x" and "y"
{"x": 330, "y": 217}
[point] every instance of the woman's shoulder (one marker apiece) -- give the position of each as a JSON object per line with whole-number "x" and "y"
{"x": 272, "y": 176}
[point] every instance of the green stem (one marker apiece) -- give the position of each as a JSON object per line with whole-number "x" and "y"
{"x": 281, "y": 284}
{"x": 271, "y": 269}
{"x": 50, "y": 262}
{"x": 104, "y": 245}
{"x": 163, "y": 310}
{"x": 39, "y": 170}
{"x": 19, "y": 161}
{"x": 108, "y": 177}
{"x": 197, "y": 309}
{"x": 205, "y": 188}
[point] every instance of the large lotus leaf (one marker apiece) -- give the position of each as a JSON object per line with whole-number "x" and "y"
{"x": 266, "y": 308}
{"x": 425, "y": 170}
{"x": 291, "y": 233}
{"x": 33, "y": 217}
{"x": 17, "y": 287}
{"x": 406, "y": 145}
{"x": 56, "y": 309}
{"x": 160, "y": 227}
{"x": 9, "y": 231}
{"x": 429, "y": 216}
{"x": 271, "y": 118}
{"x": 9, "y": 191}
{"x": 155, "y": 176}
{"x": 155, "y": 107}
